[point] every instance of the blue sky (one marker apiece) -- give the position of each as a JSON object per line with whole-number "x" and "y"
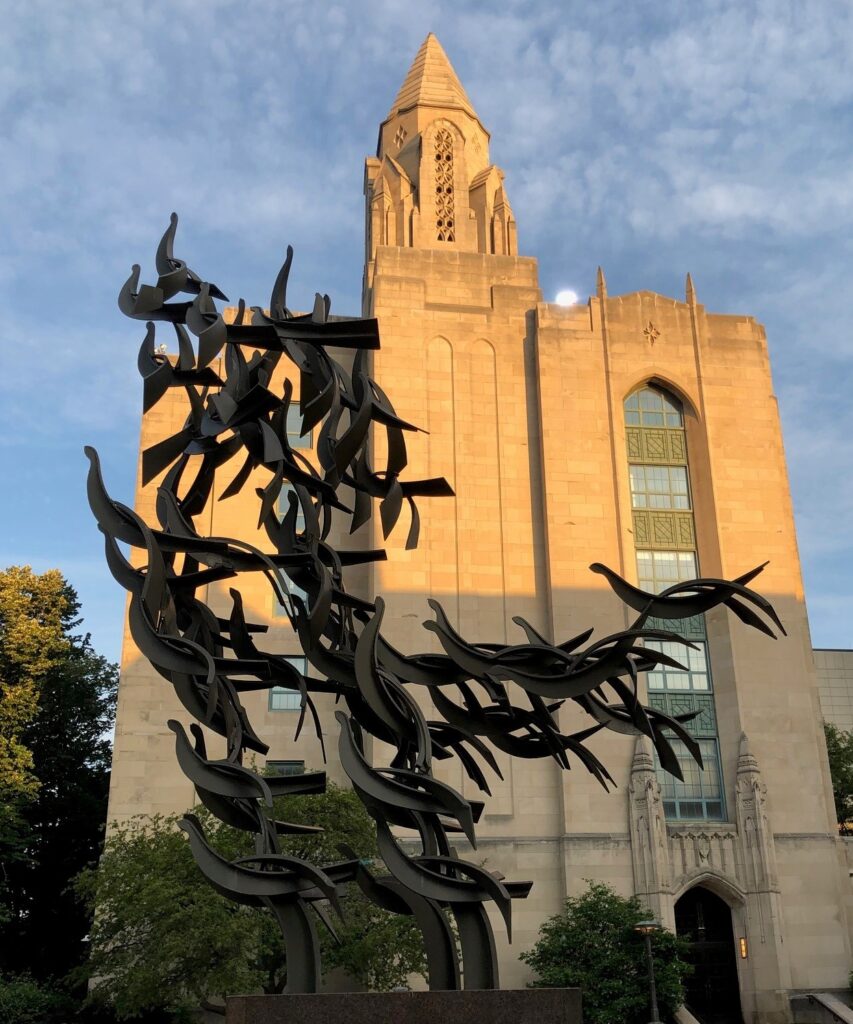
{"x": 651, "y": 138}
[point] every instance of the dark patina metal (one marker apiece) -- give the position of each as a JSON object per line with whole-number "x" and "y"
{"x": 211, "y": 661}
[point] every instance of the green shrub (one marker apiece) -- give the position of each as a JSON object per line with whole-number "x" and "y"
{"x": 26, "y": 1001}
{"x": 592, "y": 946}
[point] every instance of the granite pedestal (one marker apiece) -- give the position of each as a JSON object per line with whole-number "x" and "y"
{"x": 499, "y": 1006}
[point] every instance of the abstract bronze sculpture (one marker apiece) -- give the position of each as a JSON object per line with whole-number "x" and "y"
{"x": 210, "y": 660}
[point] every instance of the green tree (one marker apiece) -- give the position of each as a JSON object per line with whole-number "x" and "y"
{"x": 24, "y": 1001}
{"x": 56, "y": 825}
{"x": 35, "y": 611}
{"x": 839, "y": 746}
{"x": 163, "y": 939}
{"x": 592, "y": 945}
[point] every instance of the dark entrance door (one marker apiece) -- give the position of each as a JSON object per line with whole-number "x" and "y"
{"x": 705, "y": 921}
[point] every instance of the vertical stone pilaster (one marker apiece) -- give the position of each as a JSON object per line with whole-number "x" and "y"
{"x": 649, "y": 840}
{"x": 759, "y": 847}
{"x": 764, "y": 922}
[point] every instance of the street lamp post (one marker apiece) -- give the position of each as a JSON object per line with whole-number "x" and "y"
{"x": 647, "y": 929}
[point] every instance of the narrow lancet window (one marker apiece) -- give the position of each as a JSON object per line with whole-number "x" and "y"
{"x": 665, "y": 539}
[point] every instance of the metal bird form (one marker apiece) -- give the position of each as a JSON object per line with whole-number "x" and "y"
{"x": 234, "y": 409}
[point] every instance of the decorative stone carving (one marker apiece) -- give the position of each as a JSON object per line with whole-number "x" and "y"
{"x": 651, "y": 332}
{"x": 759, "y": 848}
{"x": 444, "y": 201}
{"x": 649, "y": 843}
{"x": 667, "y": 529}
{"x": 739, "y": 863}
{"x": 702, "y": 848}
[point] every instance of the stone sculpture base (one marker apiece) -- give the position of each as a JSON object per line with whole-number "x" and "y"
{"x": 500, "y": 1006}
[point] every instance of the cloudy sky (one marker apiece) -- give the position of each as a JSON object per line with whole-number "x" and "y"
{"x": 650, "y": 137}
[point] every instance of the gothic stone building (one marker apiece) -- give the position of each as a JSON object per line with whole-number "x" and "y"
{"x": 636, "y": 430}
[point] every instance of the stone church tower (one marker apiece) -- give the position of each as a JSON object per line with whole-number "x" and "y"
{"x": 636, "y": 430}
{"x": 455, "y": 196}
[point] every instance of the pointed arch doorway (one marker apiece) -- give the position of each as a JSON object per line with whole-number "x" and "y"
{"x": 712, "y": 992}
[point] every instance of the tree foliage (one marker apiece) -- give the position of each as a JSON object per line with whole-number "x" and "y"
{"x": 592, "y": 945}
{"x": 23, "y": 1000}
{"x": 839, "y": 746}
{"x": 54, "y": 823}
{"x": 161, "y": 935}
{"x": 35, "y": 611}
{"x": 164, "y": 939}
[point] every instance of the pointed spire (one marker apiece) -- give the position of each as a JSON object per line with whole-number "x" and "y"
{"x": 431, "y": 81}
{"x": 746, "y": 761}
{"x": 690, "y": 291}
{"x": 643, "y": 760}
{"x": 600, "y": 285}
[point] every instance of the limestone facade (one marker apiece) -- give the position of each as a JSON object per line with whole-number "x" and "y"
{"x": 523, "y": 402}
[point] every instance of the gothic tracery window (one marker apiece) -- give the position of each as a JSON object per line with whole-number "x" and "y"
{"x": 444, "y": 199}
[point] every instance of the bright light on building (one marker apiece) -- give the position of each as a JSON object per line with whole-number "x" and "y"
{"x": 566, "y": 297}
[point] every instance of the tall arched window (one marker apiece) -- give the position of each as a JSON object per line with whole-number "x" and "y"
{"x": 665, "y": 541}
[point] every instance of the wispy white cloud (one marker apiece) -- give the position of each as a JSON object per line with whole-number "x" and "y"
{"x": 651, "y": 137}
